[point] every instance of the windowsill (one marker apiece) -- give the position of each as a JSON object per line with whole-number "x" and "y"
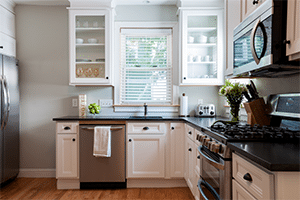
{"x": 141, "y": 105}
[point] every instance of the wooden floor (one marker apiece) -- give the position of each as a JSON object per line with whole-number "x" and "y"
{"x": 45, "y": 188}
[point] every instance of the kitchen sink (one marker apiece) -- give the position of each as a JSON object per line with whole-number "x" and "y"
{"x": 147, "y": 117}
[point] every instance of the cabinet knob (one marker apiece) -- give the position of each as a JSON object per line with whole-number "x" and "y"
{"x": 146, "y": 128}
{"x": 255, "y": 2}
{"x": 190, "y": 149}
{"x": 73, "y": 139}
{"x": 198, "y": 157}
{"x": 67, "y": 128}
{"x": 1, "y": 47}
{"x": 129, "y": 140}
{"x": 286, "y": 42}
{"x": 248, "y": 177}
{"x": 106, "y": 77}
{"x": 172, "y": 128}
{"x": 190, "y": 132}
{"x": 184, "y": 78}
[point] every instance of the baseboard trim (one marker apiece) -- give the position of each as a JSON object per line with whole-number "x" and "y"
{"x": 37, "y": 173}
{"x": 156, "y": 183}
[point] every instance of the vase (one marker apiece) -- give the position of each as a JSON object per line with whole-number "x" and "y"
{"x": 234, "y": 111}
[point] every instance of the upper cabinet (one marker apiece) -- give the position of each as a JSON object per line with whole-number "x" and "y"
{"x": 293, "y": 30}
{"x": 90, "y": 43}
{"x": 201, "y": 47}
{"x": 7, "y": 28}
{"x": 248, "y": 6}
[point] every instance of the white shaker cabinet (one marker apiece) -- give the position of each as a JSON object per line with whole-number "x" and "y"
{"x": 201, "y": 47}
{"x": 90, "y": 33}
{"x": 248, "y": 6}
{"x": 293, "y": 30}
{"x": 146, "y": 150}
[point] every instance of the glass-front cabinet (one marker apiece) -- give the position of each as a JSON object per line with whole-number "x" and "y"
{"x": 202, "y": 40}
{"x": 90, "y": 47}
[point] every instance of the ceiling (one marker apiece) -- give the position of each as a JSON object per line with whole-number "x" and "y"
{"x": 117, "y": 2}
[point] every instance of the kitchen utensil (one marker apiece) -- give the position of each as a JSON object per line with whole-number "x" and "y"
{"x": 254, "y": 88}
{"x": 251, "y": 91}
{"x": 245, "y": 93}
{"x": 202, "y": 39}
{"x": 92, "y": 40}
{"x": 191, "y": 39}
{"x": 256, "y": 111}
{"x": 79, "y": 41}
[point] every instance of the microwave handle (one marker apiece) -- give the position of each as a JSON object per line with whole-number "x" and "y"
{"x": 254, "y": 54}
{"x": 209, "y": 188}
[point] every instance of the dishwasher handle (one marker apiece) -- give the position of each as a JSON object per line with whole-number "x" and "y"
{"x": 112, "y": 128}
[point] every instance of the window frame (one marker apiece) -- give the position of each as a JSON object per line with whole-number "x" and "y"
{"x": 116, "y": 63}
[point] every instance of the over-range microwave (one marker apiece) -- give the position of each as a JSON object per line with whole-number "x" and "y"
{"x": 259, "y": 43}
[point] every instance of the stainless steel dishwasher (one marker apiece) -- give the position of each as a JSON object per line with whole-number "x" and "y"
{"x": 102, "y": 172}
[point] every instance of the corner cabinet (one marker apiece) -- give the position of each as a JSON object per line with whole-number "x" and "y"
{"x": 201, "y": 47}
{"x": 90, "y": 46}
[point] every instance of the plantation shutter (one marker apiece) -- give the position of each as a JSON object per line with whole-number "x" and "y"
{"x": 146, "y": 66}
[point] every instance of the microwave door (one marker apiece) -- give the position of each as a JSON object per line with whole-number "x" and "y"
{"x": 258, "y": 41}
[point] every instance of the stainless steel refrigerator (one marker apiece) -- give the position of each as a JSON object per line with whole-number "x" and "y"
{"x": 9, "y": 130}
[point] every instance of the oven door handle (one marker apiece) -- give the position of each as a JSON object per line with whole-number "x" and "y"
{"x": 252, "y": 41}
{"x": 209, "y": 188}
{"x": 211, "y": 161}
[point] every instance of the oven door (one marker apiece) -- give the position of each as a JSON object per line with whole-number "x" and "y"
{"x": 215, "y": 176}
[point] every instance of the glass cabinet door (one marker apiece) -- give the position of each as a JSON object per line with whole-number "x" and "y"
{"x": 201, "y": 48}
{"x": 89, "y": 49}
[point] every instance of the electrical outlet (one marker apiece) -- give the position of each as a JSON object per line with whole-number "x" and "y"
{"x": 200, "y": 101}
{"x": 106, "y": 103}
{"x": 74, "y": 103}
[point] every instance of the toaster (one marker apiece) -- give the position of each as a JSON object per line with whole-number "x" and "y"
{"x": 205, "y": 110}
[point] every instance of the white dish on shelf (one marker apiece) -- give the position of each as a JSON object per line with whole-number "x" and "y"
{"x": 92, "y": 41}
{"x": 79, "y": 41}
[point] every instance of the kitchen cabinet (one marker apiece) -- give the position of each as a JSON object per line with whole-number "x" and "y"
{"x": 7, "y": 29}
{"x": 248, "y": 6}
{"x": 189, "y": 173}
{"x": 233, "y": 18}
{"x": 146, "y": 150}
{"x": 201, "y": 47}
{"x": 67, "y": 164}
{"x": 176, "y": 150}
{"x": 293, "y": 30}
{"x": 90, "y": 41}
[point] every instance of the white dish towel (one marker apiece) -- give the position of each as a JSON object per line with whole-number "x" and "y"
{"x": 102, "y": 141}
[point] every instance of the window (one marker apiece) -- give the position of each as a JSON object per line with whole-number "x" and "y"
{"x": 146, "y": 66}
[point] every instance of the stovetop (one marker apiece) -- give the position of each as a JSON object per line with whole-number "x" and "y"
{"x": 236, "y": 132}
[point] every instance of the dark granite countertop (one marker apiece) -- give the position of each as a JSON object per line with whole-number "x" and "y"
{"x": 276, "y": 156}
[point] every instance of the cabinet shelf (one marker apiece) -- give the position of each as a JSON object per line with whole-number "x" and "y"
{"x": 85, "y": 63}
{"x": 87, "y": 44}
{"x": 204, "y": 62}
{"x": 89, "y": 29}
{"x": 197, "y": 45}
{"x": 202, "y": 29}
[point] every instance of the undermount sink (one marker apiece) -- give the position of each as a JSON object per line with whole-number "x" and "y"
{"x": 147, "y": 117}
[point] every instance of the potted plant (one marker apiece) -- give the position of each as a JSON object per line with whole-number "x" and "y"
{"x": 234, "y": 96}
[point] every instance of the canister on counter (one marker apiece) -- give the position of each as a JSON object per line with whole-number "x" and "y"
{"x": 82, "y": 105}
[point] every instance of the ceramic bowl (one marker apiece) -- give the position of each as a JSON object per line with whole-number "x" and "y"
{"x": 79, "y": 41}
{"x": 92, "y": 40}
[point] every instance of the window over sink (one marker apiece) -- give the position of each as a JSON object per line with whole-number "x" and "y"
{"x": 146, "y": 66}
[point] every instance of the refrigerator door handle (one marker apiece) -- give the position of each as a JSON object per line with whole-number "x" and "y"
{"x": 7, "y": 102}
{"x": 3, "y": 93}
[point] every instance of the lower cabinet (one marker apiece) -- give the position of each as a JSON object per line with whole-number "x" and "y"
{"x": 67, "y": 158}
{"x": 238, "y": 192}
{"x": 145, "y": 156}
{"x": 189, "y": 169}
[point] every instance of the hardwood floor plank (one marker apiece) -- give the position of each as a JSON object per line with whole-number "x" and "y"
{"x": 45, "y": 188}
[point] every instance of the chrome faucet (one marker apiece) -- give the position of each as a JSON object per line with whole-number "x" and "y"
{"x": 145, "y": 109}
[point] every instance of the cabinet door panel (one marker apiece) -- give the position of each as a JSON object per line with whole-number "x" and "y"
{"x": 67, "y": 156}
{"x": 177, "y": 150}
{"x": 239, "y": 193}
{"x": 293, "y": 28}
{"x": 190, "y": 164}
{"x": 146, "y": 156}
{"x": 7, "y": 25}
{"x": 9, "y": 45}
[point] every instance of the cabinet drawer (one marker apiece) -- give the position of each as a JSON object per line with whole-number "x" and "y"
{"x": 262, "y": 184}
{"x": 67, "y": 127}
{"x": 190, "y": 132}
{"x": 238, "y": 192}
{"x": 153, "y": 128}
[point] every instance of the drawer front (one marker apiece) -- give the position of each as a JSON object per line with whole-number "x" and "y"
{"x": 260, "y": 183}
{"x": 153, "y": 128}
{"x": 190, "y": 132}
{"x": 238, "y": 192}
{"x": 67, "y": 127}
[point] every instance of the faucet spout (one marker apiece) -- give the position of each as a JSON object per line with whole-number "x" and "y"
{"x": 145, "y": 109}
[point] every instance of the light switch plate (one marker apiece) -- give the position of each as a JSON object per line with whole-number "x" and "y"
{"x": 74, "y": 103}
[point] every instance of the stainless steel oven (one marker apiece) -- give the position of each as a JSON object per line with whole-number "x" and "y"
{"x": 215, "y": 175}
{"x": 259, "y": 43}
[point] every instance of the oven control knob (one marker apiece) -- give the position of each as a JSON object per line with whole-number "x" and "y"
{"x": 206, "y": 141}
{"x": 212, "y": 146}
{"x": 209, "y": 144}
{"x": 221, "y": 149}
{"x": 216, "y": 148}
{"x": 202, "y": 138}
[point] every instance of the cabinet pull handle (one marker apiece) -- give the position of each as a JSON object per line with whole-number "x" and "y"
{"x": 190, "y": 149}
{"x": 286, "y": 42}
{"x": 172, "y": 128}
{"x": 146, "y": 128}
{"x": 106, "y": 77}
{"x": 1, "y": 47}
{"x": 255, "y": 2}
{"x": 198, "y": 157}
{"x": 190, "y": 132}
{"x": 248, "y": 177}
{"x": 129, "y": 140}
{"x": 67, "y": 128}
{"x": 73, "y": 139}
